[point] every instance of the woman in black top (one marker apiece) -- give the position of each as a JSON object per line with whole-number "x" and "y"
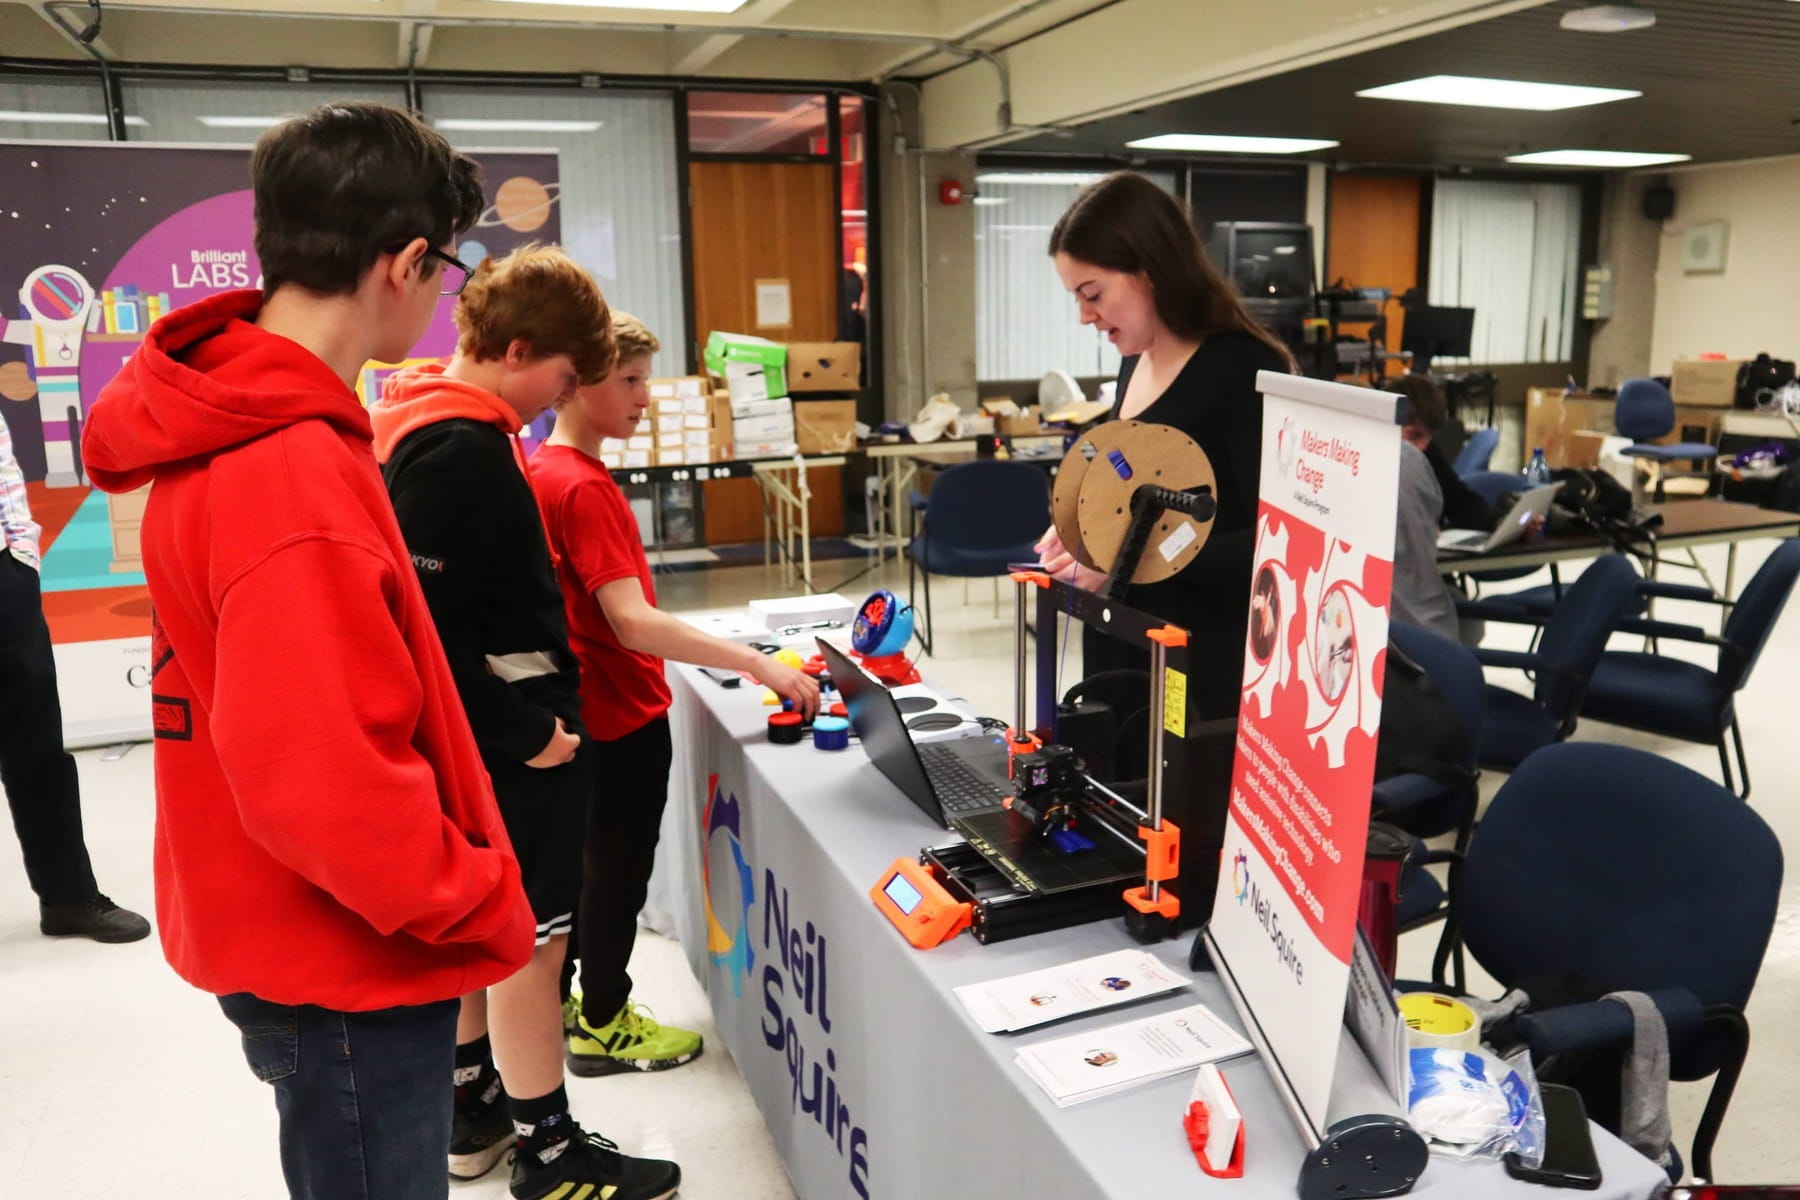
{"x": 1129, "y": 253}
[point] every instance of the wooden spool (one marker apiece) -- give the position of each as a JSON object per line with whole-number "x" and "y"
{"x": 1091, "y": 503}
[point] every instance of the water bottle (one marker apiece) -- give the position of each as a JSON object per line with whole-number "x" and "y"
{"x": 1537, "y": 471}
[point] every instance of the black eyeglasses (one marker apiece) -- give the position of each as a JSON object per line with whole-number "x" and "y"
{"x": 456, "y": 271}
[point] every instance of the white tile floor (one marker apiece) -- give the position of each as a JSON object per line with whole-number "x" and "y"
{"x": 110, "y": 1064}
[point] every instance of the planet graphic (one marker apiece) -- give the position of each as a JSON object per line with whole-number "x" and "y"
{"x": 471, "y": 252}
{"x": 522, "y": 203}
{"x": 16, "y": 382}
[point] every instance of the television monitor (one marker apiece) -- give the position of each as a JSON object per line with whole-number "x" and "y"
{"x": 1430, "y": 332}
{"x": 1267, "y": 261}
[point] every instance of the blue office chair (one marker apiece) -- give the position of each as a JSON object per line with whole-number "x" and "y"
{"x": 1598, "y": 869}
{"x": 1477, "y": 452}
{"x": 1645, "y": 410}
{"x": 1679, "y": 699}
{"x": 979, "y": 517}
{"x": 1573, "y": 638}
{"x": 1429, "y": 802}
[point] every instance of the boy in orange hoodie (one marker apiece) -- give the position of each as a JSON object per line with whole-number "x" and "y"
{"x": 329, "y": 857}
{"x": 532, "y": 326}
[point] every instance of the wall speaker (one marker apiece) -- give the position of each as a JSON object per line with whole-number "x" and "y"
{"x": 1659, "y": 202}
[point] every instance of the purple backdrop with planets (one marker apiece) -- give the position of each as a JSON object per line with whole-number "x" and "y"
{"x": 152, "y": 228}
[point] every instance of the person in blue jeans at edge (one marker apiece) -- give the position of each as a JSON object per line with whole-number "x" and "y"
{"x": 330, "y": 860}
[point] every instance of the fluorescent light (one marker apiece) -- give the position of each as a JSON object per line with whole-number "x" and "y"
{"x": 1229, "y": 143}
{"x": 509, "y": 125}
{"x": 1042, "y": 178}
{"x": 990, "y": 201}
{"x": 240, "y": 122}
{"x": 1596, "y": 158}
{"x": 1497, "y": 93}
{"x": 1608, "y": 18}
{"x": 698, "y": 6}
{"x": 60, "y": 118}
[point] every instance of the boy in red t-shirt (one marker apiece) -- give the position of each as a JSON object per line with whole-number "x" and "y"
{"x": 621, "y": 638}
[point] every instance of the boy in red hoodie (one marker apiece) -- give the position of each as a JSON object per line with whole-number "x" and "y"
{"x": 532, "y": 326}
{"x": 329, "y": 857}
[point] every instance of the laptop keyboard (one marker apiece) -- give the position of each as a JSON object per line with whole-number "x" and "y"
{"x": 959, "y": 787}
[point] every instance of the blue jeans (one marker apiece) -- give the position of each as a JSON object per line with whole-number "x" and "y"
{"x": 365, "y": 1098}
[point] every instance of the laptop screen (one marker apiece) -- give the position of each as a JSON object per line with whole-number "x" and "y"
{"x": 878, "y": 722}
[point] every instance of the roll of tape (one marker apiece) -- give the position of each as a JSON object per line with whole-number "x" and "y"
{"x": 831, "y": 733}
{"x": 1439, "y": 1022}
{"x": 784, "y": 728}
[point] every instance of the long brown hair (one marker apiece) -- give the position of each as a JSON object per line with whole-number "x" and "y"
{"x": 1126, "y": 223}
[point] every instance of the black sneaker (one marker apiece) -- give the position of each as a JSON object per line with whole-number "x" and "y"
{"x": 479, "y": 1137}
{"x": 96, "y": 917}
{"x": 589, "y": 1159}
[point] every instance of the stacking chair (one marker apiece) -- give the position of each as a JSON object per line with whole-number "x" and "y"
{"x": 1568, "y": 649}
{"x": 1680, "y": 699}
{"x": 1644, "y": 410}
{"x": 1598, "y": 869}
{"x": 980, "y": 517}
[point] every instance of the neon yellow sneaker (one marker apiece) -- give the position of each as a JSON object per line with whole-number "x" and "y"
{"x": 632, "y": 1041}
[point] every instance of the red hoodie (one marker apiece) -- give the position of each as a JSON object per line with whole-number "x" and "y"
{"x": 325, "y": 831}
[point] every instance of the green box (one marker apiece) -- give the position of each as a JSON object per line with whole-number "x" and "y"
{"x": 723, "y": 348}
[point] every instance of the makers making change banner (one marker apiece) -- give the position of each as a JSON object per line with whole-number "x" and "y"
{"x": 1284, "y": 917}
{"x": 97, "y": 241}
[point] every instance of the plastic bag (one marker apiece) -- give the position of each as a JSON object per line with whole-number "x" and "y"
{"x": 1473, "y": 1105}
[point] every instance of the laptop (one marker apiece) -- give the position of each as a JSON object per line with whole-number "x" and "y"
{"x": 1527, "y": 506}
{"x": 948, "y": 779}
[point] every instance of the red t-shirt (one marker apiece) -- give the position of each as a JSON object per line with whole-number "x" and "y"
{"x": 594, "y": 538}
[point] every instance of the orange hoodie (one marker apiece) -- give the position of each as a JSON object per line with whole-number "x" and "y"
{"x": 325, "y": 831}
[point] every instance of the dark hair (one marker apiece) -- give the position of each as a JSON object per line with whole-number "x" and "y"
{"x": 1424, "y": 400}
{"x": 346, "y": 183}
{"x": 1126, "y": 223}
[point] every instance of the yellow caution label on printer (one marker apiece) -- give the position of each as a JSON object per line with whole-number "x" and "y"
{"x": 1175, "y": 702}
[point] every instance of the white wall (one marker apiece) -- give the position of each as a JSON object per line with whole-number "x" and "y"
{"x": 1754, "y": 305}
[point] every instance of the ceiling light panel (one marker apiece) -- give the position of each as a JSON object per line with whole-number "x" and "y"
{"x": 1477, "y": 92}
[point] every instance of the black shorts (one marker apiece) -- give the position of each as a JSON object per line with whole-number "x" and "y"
{"x": 545, "y": 811}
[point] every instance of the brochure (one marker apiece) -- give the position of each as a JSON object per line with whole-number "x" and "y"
{"x": 1086, "y": 1066}
{"x": 1038, "y": 997}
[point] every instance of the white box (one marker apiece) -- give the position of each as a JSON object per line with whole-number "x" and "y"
{"x": 669, "y": 441}
{"x": 690, "y": 387}
{"x": 751, "y": 382}
{"x": 694, "y": 405}
{"x": 634, "y": 460}
{"x": 698, "y": 421}
{"x": 668, "y": 422}
{"x": 749, "y": 450}
{"x": 701, "y": 438}
{"x": 612, "y": 462}
{"x": 745, "y": 407}
{"x": 663, "y": 387}
{"x": 762, "y": 429}
{"x": 782, "y": 611}
{"x": 668, "y": 406}
{"x": 641, "y": 441}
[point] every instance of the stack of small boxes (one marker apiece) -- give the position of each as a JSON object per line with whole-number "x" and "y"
{"x": 755, "y": 373}
{"x": 677, "y": 430}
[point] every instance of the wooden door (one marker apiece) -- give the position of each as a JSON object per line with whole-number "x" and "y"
{"x": 765, "y": 220}
{"x": 1374, "y": 242}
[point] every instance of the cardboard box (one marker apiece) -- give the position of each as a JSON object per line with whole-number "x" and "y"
{"x": 718, "y": 414}
{"x": 1705, "y": 383}
{"x": 635, "y": 460}
{"x": 1583, "y": 449}
{"x": 641, "y": 441}
{"x": 1023, "y": 423}
{"x": 825, "y": 426}
{"x": 755, "y": 381}
{"x": 691, "y": 422}
{"x": 1552, "y": 418}
{"x": 824, "y": 366}
{"x": 669, "y": 422}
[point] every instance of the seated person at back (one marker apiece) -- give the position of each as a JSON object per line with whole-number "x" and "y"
{"x": 1421, "y": 596}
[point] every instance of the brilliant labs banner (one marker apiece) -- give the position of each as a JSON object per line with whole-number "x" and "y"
{"x": 1284, "y": 918}
{"x": 98, "y": 240}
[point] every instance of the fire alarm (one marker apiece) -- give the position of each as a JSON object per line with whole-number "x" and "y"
{"x": 950, "y": 192}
